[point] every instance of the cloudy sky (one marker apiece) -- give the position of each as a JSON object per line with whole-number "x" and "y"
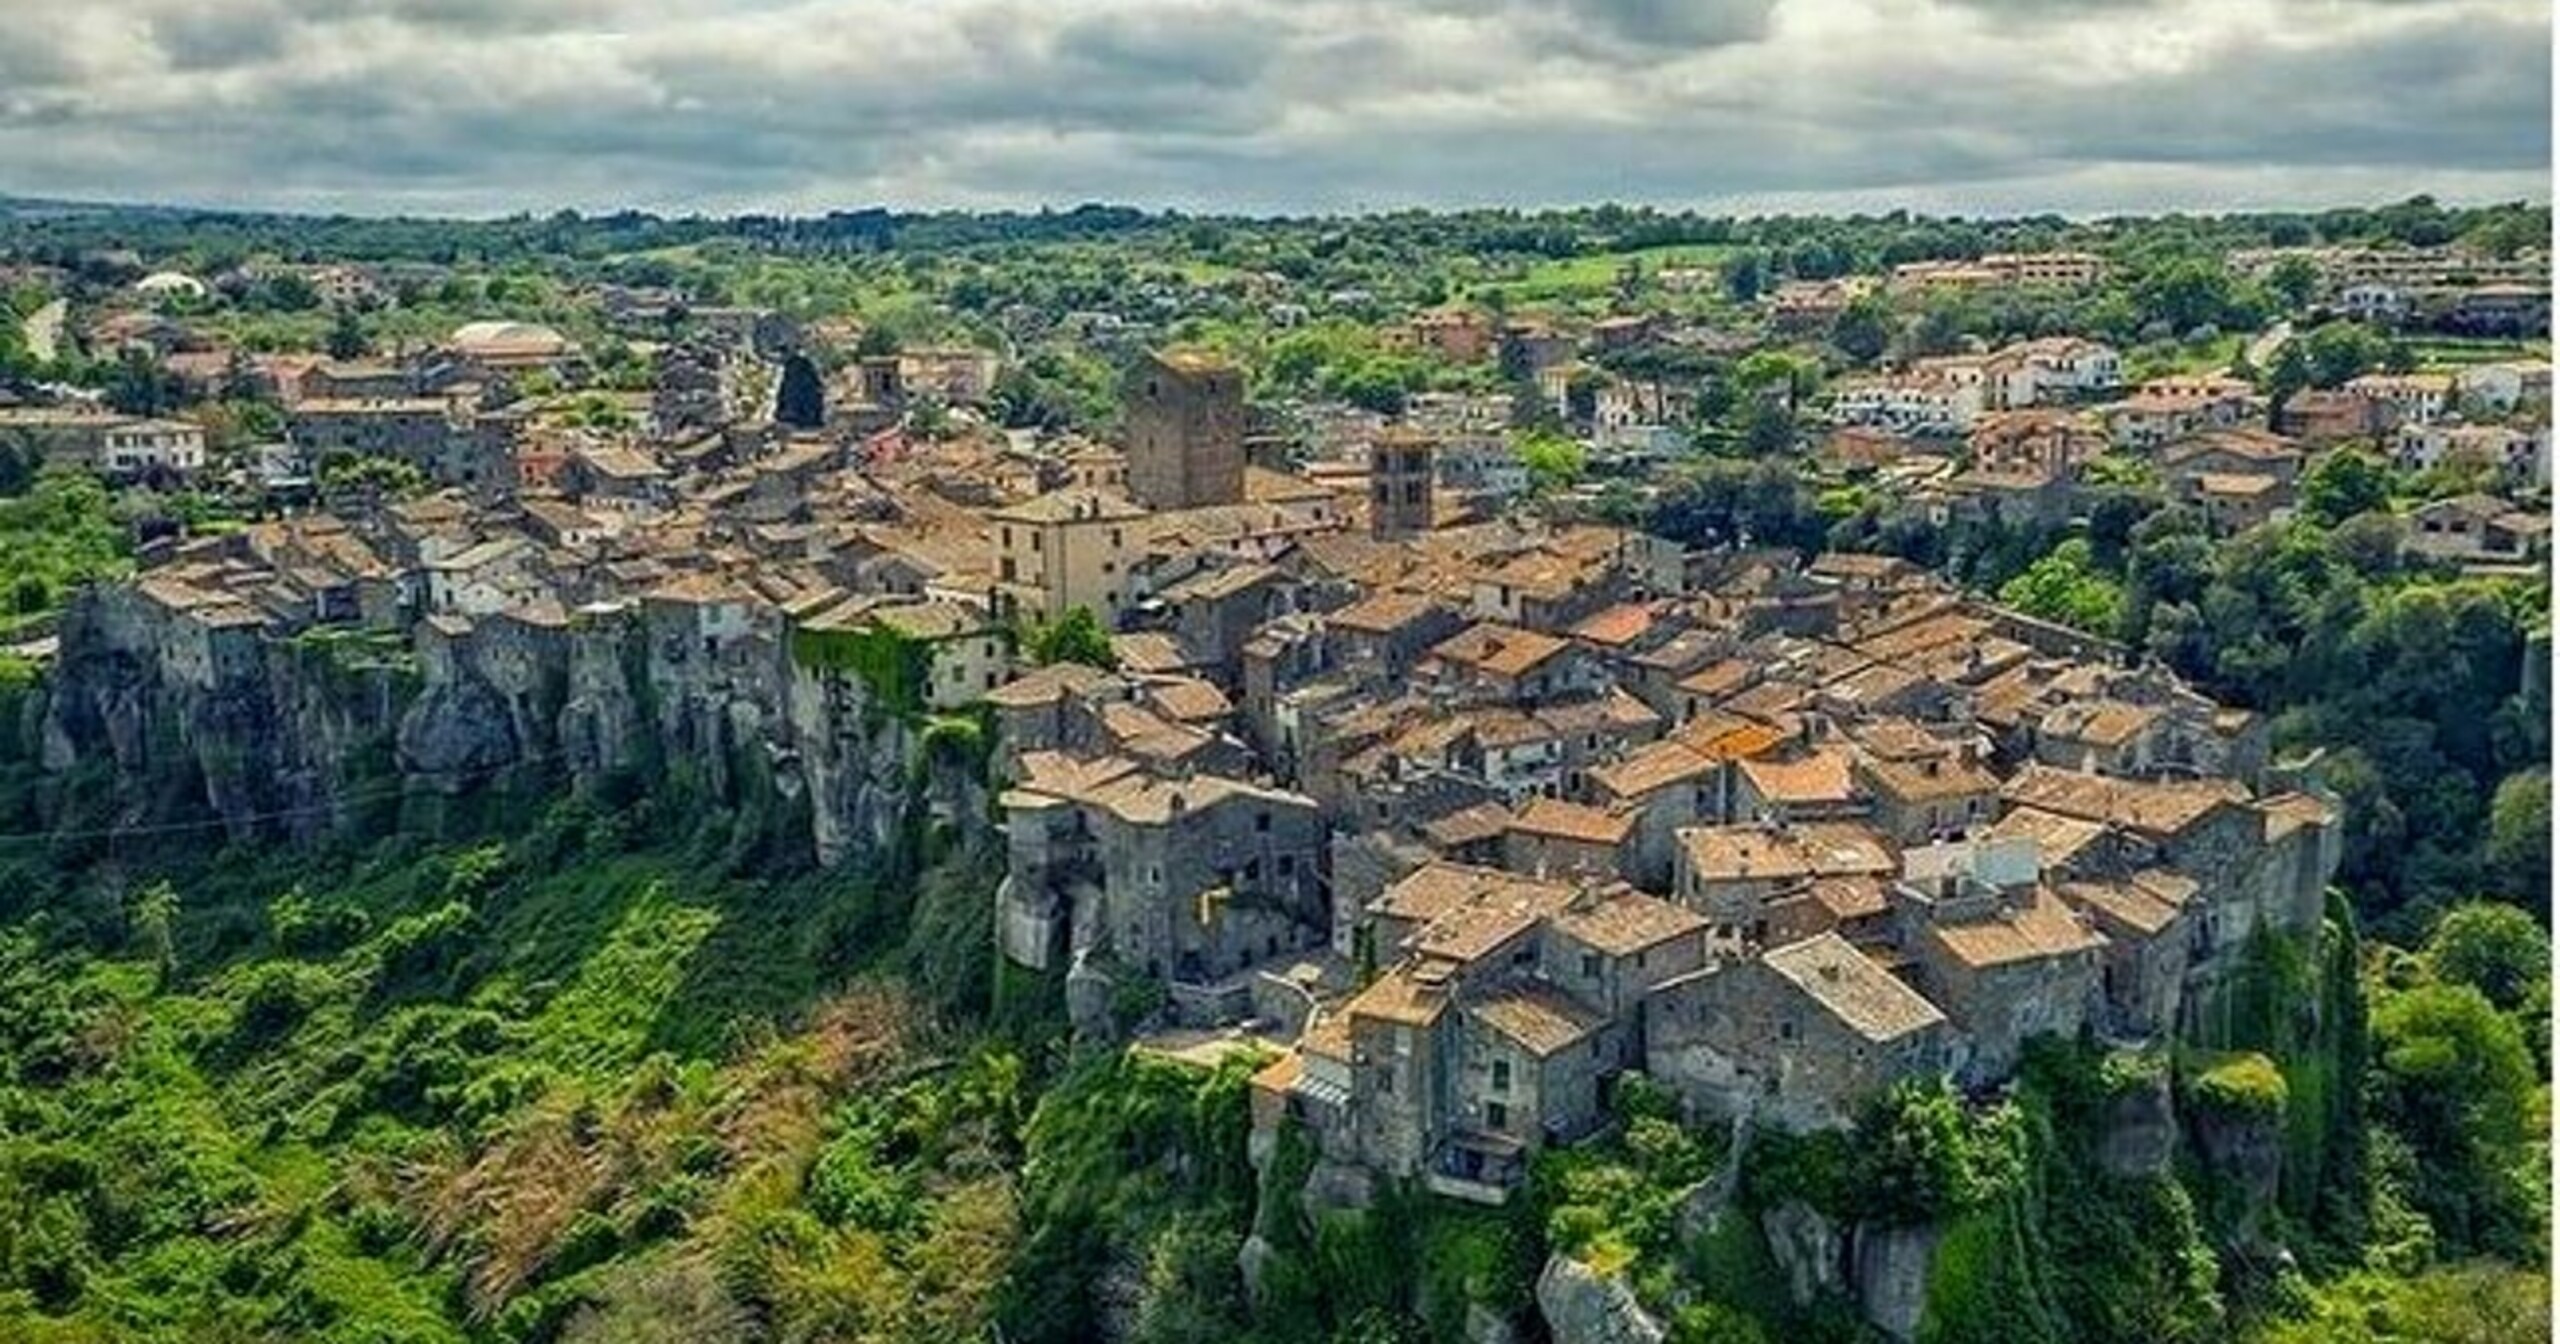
{"x": 487, "y": 106}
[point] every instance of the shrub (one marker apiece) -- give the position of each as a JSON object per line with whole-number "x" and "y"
{"x": 2237, "y": 1085}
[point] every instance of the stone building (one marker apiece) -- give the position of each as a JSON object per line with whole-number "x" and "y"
{"x": 1183, "y": 881}
{"x": 1510, "y": 1005}
{"x": 1799, "y": 1037}
{"x": 1067, "y": 549}
{"x": 1184, "y": 415}
{"x": 1400, "y": 481}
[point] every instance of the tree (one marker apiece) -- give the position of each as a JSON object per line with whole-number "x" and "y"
{"x": 801, "y": 401}
{"x": 1582, "y": 395}
{"x": 2344, "y": 484}
{"x": 1744, "y": 276}
{"x": 2294, "y": 280}
{"x": 1768, "y": 429}
{"x": 346, "y": 335}
{"x": 1785, "y": 374}
{"x": 2290, "y": 373}
{"x": 2495, "y": 948}
{"x": 1076, "y": 637}
{"x": 876, "y": 342}
{"x": 1554, "y": 462}
{"x": 2338, "y": 351}
{"x": 2067, "y": 587}
{"x": 2454, "y": 1081}
{"x": 139, "y": 386}
{"x": 1861, "y": 331}
{"x": 2187, "y": 293}
{"x": 2519, "y": 846}
{"x": 154, "y": 922}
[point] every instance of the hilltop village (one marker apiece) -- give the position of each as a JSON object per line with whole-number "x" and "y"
{"x": 1443, "y": 718}
{"x": 1465, "y": 808}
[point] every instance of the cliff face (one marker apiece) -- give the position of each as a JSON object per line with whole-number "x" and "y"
{"x": 288, "y": 737}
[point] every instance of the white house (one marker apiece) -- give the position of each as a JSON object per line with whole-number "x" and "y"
{"x": 2420, "y": 398}
{"x": 2521, "y": 452}
{"x": 2499, "y": 388}
{"x": 482, "y": 580}
{"x": 134, "y": 446}
{"x": 1942, "y": 403}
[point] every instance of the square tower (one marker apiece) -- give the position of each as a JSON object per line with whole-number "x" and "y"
{"x": 1184, "y": 413}
{"x": 1400, "y": 478}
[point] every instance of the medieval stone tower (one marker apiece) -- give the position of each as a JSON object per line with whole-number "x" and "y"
{"x": 1184, "y": 413}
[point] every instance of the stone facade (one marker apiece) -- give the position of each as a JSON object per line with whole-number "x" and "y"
{"x": 1184, "y": 417}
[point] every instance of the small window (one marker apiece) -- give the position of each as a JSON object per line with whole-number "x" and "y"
{"x": 1502, "y": 1075}
{"x": 1590, "y": 965}
{"x": 1288, "y": 864}
{"x": 1497, "y": 1115}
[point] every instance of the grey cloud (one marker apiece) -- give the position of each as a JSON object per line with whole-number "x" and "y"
{"x": 1683, "y": 23}
{"x": 216, "y": 38}
{"x": 1266, "y": 104}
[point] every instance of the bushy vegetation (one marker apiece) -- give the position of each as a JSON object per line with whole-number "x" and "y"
{"x": 61, "y": 533}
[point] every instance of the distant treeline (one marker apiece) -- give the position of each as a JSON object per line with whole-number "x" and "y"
{"x": 60, "y": 233}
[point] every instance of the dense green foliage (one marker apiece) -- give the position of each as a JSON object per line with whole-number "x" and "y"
{"x": 895, "y": 668}
{"x": 1076, "y": 637}
{"x": 63, "y": 532}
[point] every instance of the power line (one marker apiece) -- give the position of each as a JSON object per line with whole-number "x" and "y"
{"x": 388, "y": 789}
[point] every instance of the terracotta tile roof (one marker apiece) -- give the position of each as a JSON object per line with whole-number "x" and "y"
{"x": 1047, "y": 685}
{"x": 1930, "y": 632}
{"x": 1928, "y": 778}
{"x": 1500, "y": 650}
{"x": 1762, "y": 853}
{"x": 2124, "y": 905}
{"x": 1615, "y": 627}
{"x": 2041, "y": 927}
{"x": 2153, "y": 808}
{"x": 1558, "y": 819}
{"x": 2059, "y": 839}
{"x": 934, "y": 620}
{"x": 1855, "y": 991}
{"x": 1265, "y": 486}
{"x": 1150, "y": 651}
{"x": 1188, "y": 700}
{"x": 1439, "y": 887}
{"x": 1538, "y": 1018}
{"x": 2107, "y": 723}
{"x": 1498, "y": 727}
{"x": 1622, "y": 920}
{"x": 1656, "y": 766}
{"x": 1770, "y": 702}
{"x": 2226, "y": 483}
{"x": 1382, "y": 612}
{"x": 1073, "y": 505}
{"x": 2288, "y": 812}
{"x": 1849, "y": 898}
{"x": 1718, "y": 680}
{"x": 1818, "y": 776}
{"x": 1397, "y": 997}
{"x": 1468, "y": 825}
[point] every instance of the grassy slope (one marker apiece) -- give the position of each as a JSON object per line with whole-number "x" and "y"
{"x": 400, "y": 1103}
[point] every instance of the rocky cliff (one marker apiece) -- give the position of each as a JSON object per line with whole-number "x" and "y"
{"x": 177, "y": 721}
